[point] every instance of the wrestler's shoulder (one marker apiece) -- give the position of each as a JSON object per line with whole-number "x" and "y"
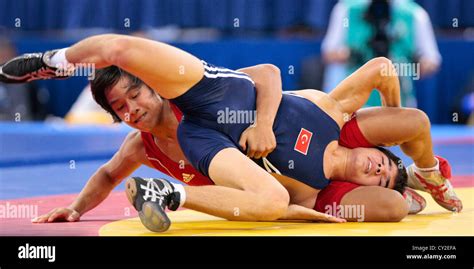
{"x": 134, "y": 137}
{"x": 133, "y": 147}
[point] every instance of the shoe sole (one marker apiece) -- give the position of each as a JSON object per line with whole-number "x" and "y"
{"x": 450, "y": 207}
{"x": 152, "y": 216}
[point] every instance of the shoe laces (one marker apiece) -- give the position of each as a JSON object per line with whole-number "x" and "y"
{"x": 436, "y": 191}
{"x": 42, "y": 73}
{"x": 153, "y": 192}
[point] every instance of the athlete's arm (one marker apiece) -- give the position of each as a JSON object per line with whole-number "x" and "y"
{"x": 354, "y": 91}
{"x": 259, "y": 140}
{"x": 298, "y": 212}
{"x": 104, "y": 180}
{"x": 359, "y": 203}
{"x": 376, "y": 204}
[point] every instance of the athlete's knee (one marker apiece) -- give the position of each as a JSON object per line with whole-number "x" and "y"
{"x": 423, "y": 121}
{"x": 271, "y": 68}
{"x": 272, "y": 205}
{"x": 269, "y": 209}
{"x": 377, "y": 67}
{"x": 380, "y": 62}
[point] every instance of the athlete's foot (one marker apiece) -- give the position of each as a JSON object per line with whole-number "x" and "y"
{"x": 416, "y": 203}
{"x": 32, "y": 66}
{"x": 436, "y": 182}
{"x": 151, "y": 197}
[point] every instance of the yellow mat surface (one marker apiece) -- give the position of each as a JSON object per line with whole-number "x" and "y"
{"x": 433, "y": 221}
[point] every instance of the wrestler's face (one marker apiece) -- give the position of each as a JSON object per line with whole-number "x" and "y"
{"x": 370, "y": 167}
{"x": 139, "y": 107}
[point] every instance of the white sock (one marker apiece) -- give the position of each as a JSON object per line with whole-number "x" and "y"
{"x": 180, "y": 188}
{"x": 59, "y": 59}
{"x": 434, "y": 168}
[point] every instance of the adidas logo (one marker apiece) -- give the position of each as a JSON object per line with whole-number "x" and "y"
{"x": 187, "y": 177}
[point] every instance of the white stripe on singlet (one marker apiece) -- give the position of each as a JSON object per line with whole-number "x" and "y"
{"x": 154, "y": 159}
{"x": 224, "y": 73}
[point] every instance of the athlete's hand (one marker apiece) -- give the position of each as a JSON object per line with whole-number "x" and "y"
{"x": 297, "y": 212}
{"x": 58, "y": 214}
{"x": 322, "y": 217}
{"x": 258, "y": 140}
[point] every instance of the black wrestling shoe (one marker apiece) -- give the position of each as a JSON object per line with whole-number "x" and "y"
{"x": 151, "y": 197}
{"x": 31, "y": 66}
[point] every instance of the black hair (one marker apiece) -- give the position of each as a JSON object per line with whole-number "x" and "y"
{"x": 105, "y": 79}
{"x": 401, "y": 178}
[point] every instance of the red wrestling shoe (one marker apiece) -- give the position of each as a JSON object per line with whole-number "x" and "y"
{"x": 416, "y": 202}
{"x": 436, "y": 182}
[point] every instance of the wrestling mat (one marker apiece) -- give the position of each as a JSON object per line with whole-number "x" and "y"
{"x": 33, "y": 185}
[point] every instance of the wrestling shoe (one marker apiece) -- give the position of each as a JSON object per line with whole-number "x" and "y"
{"x": 435, "y": 181}
{"x": 151, "y": 197}
{"x": 416, "y": 203}
{"x": 32, "y": 66}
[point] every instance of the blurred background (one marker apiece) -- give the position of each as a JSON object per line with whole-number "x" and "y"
{"x": 315, "y": 43}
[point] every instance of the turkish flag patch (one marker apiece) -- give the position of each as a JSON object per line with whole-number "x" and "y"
{"x": 302, "y": 143}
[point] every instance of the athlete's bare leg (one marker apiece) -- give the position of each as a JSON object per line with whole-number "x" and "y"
{"x": 245, "y": 191}
{"x": 166, "y": 69}
{"x": 381, "y": 204}
{"x": 409, "y": 128}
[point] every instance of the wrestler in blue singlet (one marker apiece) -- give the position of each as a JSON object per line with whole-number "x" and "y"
{"x": 301, "y": 128}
